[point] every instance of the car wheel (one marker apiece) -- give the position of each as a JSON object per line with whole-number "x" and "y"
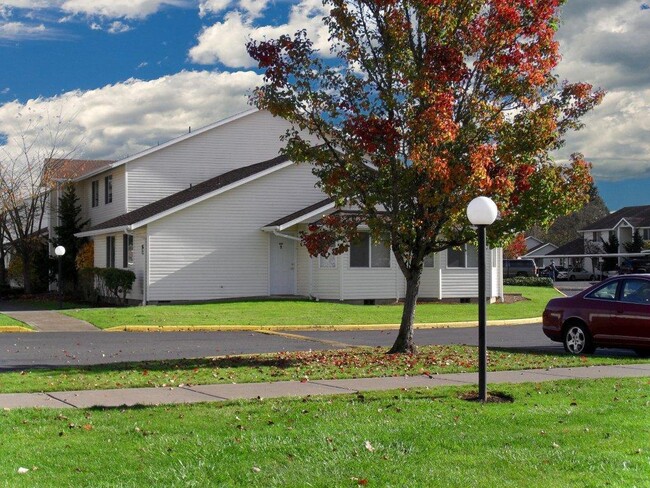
{"x": 577, "y": 340}
{"x": 572, "y": 278}
{"x": 591, "y": 277}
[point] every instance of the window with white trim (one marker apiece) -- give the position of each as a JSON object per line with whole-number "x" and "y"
{"x": 646, "y": 234}
{"x": 364, "y": 253}
{"x": 465, "y": 256}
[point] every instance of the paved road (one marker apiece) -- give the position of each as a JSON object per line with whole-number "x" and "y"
{"x": 31, "y": 350}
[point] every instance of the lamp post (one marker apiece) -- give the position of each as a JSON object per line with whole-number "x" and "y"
{"x": 481, "y": 212}
{"x": 60, "y": 251}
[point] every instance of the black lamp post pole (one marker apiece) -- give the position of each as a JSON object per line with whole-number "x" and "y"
{"x": 60, "y": 282}
{"x": 482, "y": 317}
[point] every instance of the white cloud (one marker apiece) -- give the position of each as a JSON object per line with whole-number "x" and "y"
{"x": 117, "y": 27}
{"x": 225, "y": 42}
{"x": 616, "y": 138}
{"x": 128, "y": 117}
{"x": 114, "y": 9}
{"x": 253, "y": 8}
{"x": 21, "y": 31}
{"x": 207, "y": 7}
{"x": 32, "y": 4}
{"x": 250, "y": 8}
{"x": 605, "y": 43}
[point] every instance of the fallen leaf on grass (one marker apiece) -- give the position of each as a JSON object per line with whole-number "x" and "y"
{"x": 369, "y": 446}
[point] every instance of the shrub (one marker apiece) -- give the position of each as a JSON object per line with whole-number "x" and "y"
{"x": 528, "y": 281}
{"x": 87, "y": 286}
{"x": 116, "y": 282}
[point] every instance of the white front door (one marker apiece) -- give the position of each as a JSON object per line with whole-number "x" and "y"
{"x": 283, "y": 275}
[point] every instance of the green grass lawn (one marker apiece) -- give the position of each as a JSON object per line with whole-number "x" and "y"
{"x": 311, "y": 365}
{"x": 589, "y": 433}
{"x": 295, "y": 312}
{"x": 6, "y": 321}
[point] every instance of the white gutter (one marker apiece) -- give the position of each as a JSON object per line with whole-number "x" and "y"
{"x": 613, "y": 255}
{"x": 123, "y": 229}
{"x": 286, "y": 236}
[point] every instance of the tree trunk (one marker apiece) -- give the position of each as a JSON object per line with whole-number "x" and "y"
{"x": 404, "y": 342}
{"x": 27, "y": 266}
{"x": 3, "y": 268}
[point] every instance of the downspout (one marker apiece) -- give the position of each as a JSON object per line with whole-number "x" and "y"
{"x": 145, "y": 278}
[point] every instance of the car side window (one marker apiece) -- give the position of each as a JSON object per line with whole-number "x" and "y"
{"x": 636, "y": 291}
{"x": 605, "y": 292}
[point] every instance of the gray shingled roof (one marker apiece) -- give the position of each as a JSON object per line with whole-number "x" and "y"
{"x": 300, "y": 213}
{"x": 636, "y": 216}
{"x": 576, "y": 246}
{"x": 187, "y": 195}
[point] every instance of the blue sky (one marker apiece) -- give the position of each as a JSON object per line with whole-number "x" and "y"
{"x": 127, "y": 74}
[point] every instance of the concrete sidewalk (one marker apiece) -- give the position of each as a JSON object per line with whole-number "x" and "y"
{"x": 216, "y": 393}
{"x": 50, "y": 321}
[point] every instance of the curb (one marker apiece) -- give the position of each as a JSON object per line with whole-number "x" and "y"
{"x": 255, "y": 328}
{"x": 15, "y": 328}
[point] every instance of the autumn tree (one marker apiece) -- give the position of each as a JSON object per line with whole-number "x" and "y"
{"x": 516, "y": 247}
{"x": 424, "y": 105}
{"x": 28, "y": 163}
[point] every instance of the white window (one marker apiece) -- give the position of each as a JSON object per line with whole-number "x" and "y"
{"x": 465, "y": 256}
{"x": 646, "y": 234}
{"x": 364, "y": 253}
{"x": 328, "y": 262}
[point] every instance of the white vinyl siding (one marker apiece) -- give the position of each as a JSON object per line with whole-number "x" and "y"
{"x": 249, "y": 140}
{"x": 190, "y": 260}
{"x": 463, "y": 282}
{"x": 304, "y": 271}
{"x": 430, "y": 279}
{"x": 369, "y": 283}
{"x": 103, "y": 212}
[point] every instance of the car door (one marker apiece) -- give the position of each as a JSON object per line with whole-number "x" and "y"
{"x": 631, "y": 318}
{"x": 599, "y": 306}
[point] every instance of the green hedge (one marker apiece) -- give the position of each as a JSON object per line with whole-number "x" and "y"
{"x": 528, "y": 281}
{"x": 106, "y": 283}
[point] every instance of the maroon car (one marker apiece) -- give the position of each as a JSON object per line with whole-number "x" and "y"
{"x": 613, "y": 313}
